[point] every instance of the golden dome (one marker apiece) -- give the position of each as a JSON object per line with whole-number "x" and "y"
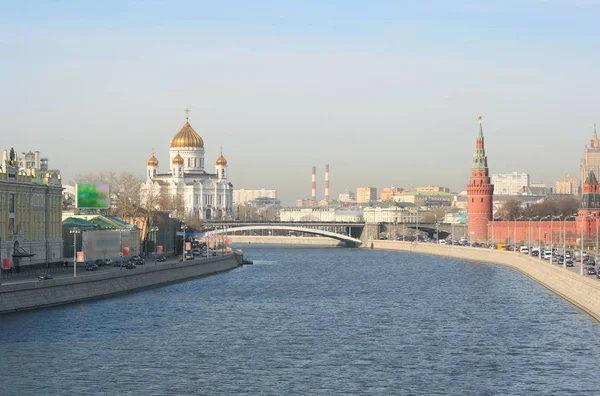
{"x": 187, "y": 137}
{"x": 153, "y": 161}
{"x": 178, "y": 160}
{"x": 221, "y": 160}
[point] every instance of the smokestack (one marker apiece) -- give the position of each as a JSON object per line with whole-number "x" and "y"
{"x": 314, "y": 184}
{"x": 326, "y": 183}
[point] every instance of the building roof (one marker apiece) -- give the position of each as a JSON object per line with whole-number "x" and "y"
{"x": 71, "y": 222}
{"x": 591, "y": 179}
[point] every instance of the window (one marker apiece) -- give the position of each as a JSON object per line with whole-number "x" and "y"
{"x": 482, "y": 200}
{"x": 472, "y": 199}
{"x": 11, "y": 226}
{"x": 11, "y": 203}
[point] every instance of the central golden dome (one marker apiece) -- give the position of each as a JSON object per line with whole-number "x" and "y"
{"x": 187, "y": 137}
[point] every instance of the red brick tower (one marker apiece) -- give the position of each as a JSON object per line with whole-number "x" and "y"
{"x": 589, "y": 209}
{"x": 480, "y": 193}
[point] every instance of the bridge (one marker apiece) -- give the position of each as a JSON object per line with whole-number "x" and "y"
{"x": 346, "y": 239}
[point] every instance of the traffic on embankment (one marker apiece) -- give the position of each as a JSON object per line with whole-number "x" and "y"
{"x": 34, "y": 294}
{"x": 582, "y": 291}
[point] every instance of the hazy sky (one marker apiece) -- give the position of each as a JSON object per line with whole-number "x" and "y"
{"x": 386, "y": 92}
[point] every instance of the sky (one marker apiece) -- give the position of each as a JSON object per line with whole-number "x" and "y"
{"x": 385, "y": 92}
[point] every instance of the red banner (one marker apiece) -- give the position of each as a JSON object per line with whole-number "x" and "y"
{"x": 211, "y": 244}
{"x": 6, "y": 264}
{"x": 188, "y": 246}
{"x": 125, "y": 251}
{"x": 159, "y": 249}
{"x": 80, "y": 257}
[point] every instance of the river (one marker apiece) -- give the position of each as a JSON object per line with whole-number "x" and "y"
{"x": 312, "y": 321}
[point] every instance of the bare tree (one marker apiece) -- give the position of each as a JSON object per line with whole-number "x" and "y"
{"x": 510, "y": 210}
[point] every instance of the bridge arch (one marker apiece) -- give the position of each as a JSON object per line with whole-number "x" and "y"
{"x": 348, "y": 240}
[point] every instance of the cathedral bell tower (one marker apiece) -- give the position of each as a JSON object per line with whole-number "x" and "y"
{"x": 480, "y": 193}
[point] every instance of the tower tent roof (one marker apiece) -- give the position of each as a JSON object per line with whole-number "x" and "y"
{"x": 591, "y": 179}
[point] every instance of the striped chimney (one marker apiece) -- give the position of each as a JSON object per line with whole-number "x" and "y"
{"x": 326, "y": 183}
{"x": 314, "y": 183}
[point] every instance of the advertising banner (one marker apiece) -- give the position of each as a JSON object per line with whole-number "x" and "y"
{"x": 159, "y": 249}
{"x": 125, "y": 251}
{"x": 211, "y": 244}
{"x": 188, "y": 246}
{"x": 6, "y": 264}
{"x": 92, "y": 195}
{"x": 80, "y": 257}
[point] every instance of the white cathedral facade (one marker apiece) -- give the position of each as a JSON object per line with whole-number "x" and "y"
{"x": 207, "y": 196}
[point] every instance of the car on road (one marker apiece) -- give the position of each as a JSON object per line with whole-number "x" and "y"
{"x": 141, "y": 261}
{"x": 130, "y": 265}
{"x": 161, "y": 258}
{"x": 591, "y": 271}
{"x": 99, "y": 262}
{"x": 108, "y": 262}
{"x": 91, "y": 267}
{"x": 135, "y": 258}
{"x": 189, "y": 255}
{"x": 196, "y": 251}
{"x": 45, "y": 277}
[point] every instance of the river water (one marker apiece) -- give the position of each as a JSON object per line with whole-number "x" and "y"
{"x": 312, "y": 321}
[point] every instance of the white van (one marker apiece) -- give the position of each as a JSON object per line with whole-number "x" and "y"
{"x": 524, "y": 249}
{"x": 547, "y": 255}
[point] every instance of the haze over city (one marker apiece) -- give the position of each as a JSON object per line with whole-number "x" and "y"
{"x": 387, "y": 94}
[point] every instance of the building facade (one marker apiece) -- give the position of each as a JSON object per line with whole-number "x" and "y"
{"x": 324, "y": 214}
{"x": 591, "y": 159}
{"x": 425, "y": 198}
{"x": 480, "y": 192}
{"x": 243, "y": 196}
{"x": 569, "y": 185}
{"x": 392, "y": 214}
{"x": 433, "y": 189}
{"x": 510, "y": 183}
{"x": 387, "y": 194}
{"x": 366, "y": 194}
{"x": 204, "y": 195}
{"x": 31, "y": 214}
{"x": 347, "y": 197}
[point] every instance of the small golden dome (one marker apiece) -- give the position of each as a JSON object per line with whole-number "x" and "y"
{"x": 187, "y": 137}
{"x": 153, "y": 161}
{"x": 178, "y": 160}
{"x": 221, "y": 160}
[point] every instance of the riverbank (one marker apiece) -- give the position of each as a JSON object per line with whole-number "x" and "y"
{"x": 579, "y": 290}
{"x": 35, "y": 295}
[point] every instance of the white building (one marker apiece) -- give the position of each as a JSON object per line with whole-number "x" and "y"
{"x": 205, "y": 195}
{"x": 243, "y": 196}
{"x": 391, "y": 214}
{"x": 347, "y": 197}
{"x": 510, "y": 183}
{"x": 322, "y": 214}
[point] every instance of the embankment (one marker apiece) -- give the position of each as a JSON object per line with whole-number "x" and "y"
{"x": 582, "y": 291}
{"x": 34, "y": 295}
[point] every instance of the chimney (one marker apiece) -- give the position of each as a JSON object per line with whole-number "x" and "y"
{"x": 314, "y": 184}
{"x": 327, "y": 183}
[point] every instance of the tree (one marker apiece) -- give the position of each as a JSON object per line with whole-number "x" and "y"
{"x": 511, "y": 209}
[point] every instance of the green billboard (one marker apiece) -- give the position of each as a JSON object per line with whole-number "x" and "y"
{"x": 92, "y": 196}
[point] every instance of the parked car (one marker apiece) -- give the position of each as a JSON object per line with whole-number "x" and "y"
{"x": 196, "y": 251}
{"x": 535, "y": 253}
{"x": 45, "y": 277}
{"x": 108, "y": 261}
{"x": 569, "y": 262}
{"x": 135, "y": 258}
{"x": 91, "y": 267}
{"x": 189, "y": 255}
{"x": 141, "y": 261}
{"x": 524, "y": 249}
{"x": 161, "y": 258}
{"x": 99, "y": 262}
{"x": 130, "y": 265}
{"x": 591, "y": 271}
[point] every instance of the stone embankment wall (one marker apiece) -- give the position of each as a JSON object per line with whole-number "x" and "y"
{"x": 33, "y": 295}
{"x": 582, "y": 291}
{"x": 285, "y": 240}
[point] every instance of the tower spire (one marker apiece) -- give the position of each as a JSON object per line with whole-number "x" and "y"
{"x": 187, "y": 113}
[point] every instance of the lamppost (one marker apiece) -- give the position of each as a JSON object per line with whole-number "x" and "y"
{"x": 183, "y": 228}
{"x": 581, "y": 253}
{"x": 75, "y": 231}
{"x": 552, "y": 236}
{"x": 437, "y": 234}
{"x": 517, "y": 218}
{"x": 154, "y": 230}
{"x": 565, "y": 239}
{"x": 417, "y": 236}
{"x": 541, "y": 254}
{"x": 529, "y": 233}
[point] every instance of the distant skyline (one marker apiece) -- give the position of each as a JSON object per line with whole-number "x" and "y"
{"x": 387, "y": 93}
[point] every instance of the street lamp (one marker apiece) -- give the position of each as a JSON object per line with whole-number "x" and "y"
{"x": 540, "y": 233}
{"x": 74, "y": 231}
{"x": 154, "y": 230}
{"x": 565, "y": 239}
{"x": 183, "y": 227}
{"x": 552, "y": 236}
{"x": 437, "y": 233}
{"x": 517, "y": 218}
{"x": 529, "y": 233}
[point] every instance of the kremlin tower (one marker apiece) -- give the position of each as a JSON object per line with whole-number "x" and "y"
{"x": 479, "y": 193}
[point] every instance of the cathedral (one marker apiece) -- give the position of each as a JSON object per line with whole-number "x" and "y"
{"x": 207, "y": 196}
